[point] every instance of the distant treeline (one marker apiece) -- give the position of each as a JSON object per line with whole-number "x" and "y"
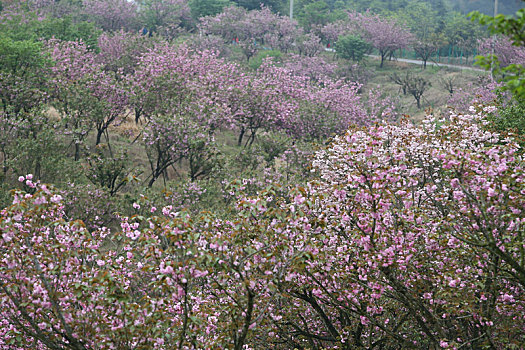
{"x": 441, "y": 6}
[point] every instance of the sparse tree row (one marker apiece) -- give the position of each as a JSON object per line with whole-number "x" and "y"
{"x": 206, "y": 175}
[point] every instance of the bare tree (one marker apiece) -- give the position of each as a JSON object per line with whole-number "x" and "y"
{"x": 449, "y": 83}
{"x": 417, "y": 87}
{"x": 402, "y": 81}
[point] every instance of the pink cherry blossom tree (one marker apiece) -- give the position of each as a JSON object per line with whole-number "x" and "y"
{"x": 112, "y": 15}
{"x": 252, "y": 30}
{"x": 309, "y": 45}
{"x": 315, "y": 67}
{"x": 181, "y": 96}
{"x": 88, "y": 97}
{"x": 503, "y": 49}
{"x": 401, "y": 237}
{"x": 384, "y": 34}
{"x": 484, "y": 93}
{"x": 120, "y": 51}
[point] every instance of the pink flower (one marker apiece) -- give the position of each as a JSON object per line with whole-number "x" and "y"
{"x": 507, "y": 298}
{"x": 56, "y": 198}
{"x": 166, "y": 270}
{"x": 198, "y": 273}
{"x": 299, "y": 199}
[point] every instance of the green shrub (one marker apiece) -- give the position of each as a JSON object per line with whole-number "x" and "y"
{"x": 351, "y": 47}
{"x": 257, "y": 60}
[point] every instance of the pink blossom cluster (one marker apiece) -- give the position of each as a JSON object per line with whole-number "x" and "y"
{"x": 483, "y": 95}
{"x": 112, "y": 15}
{"x": 89, "y": 96}
{"x": 413, "y": 218}
{"x": 503, "y": 49}
{"x": 316, "y": 67}
{"x": 384, "y": 34}
{"x": 252, "y": 30}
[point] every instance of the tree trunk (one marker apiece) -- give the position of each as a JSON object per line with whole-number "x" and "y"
{"x": 241, "y": 135}
{"x": 153, "y": 179}
{"x": 77, "y": 151}
{"x": 4, "y": 163}
{"x": 100, "y": 132}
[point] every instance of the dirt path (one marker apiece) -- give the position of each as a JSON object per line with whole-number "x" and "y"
{"x": 429, "y": 63}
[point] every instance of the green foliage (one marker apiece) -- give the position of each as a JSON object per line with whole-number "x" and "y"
{"x": 352, "y": 47}
{"x": 511, "y": 26}
{"x": 486, "y": 6}
{"x": 460, "y": 31}
{"x": 276, "y": 5}
{"x": 65, "y": 29}
{"x": 203, "y": 159}
{"x": 20, "y": 57}
{"x": 376, "y": 6}
{"x": 39, "y": 151}
{"x": 22, "y": 74}
{"x": 28, "y": 27}
{"x": 201, "y": 8}
{"x": 256, "y": 61}
{"x": 155, "y": 14}
{"x": 314, "y": 14}
{"x": 419, "y": 17}
{"x": 513, "y": 75}
{"x": 5, "y": 194}
{"x": 510, "y": 118}
{"x": 272, "y": 145}
{"x": 109, "y": 171}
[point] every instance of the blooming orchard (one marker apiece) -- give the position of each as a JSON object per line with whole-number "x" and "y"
{"x": 209, "y": 193}
{"x": 412, "y": 235}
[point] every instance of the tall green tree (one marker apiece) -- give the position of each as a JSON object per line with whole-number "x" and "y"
{"x": 314, "y": 15}
{"x": 201, "y": 8}
{"x": 463, "y": 33}
{"x": 22, "y": 75}
{"x": 275, "y": 5}
{"x": 420, "y": 17}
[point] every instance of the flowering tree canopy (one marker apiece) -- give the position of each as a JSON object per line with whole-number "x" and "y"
{"x": 252, "y": 30}
{"x": 384, "y": 34}
{"x": 411, "y": 235}
{"x": 505, "y": 51}
{"x": 112, "y": 15}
